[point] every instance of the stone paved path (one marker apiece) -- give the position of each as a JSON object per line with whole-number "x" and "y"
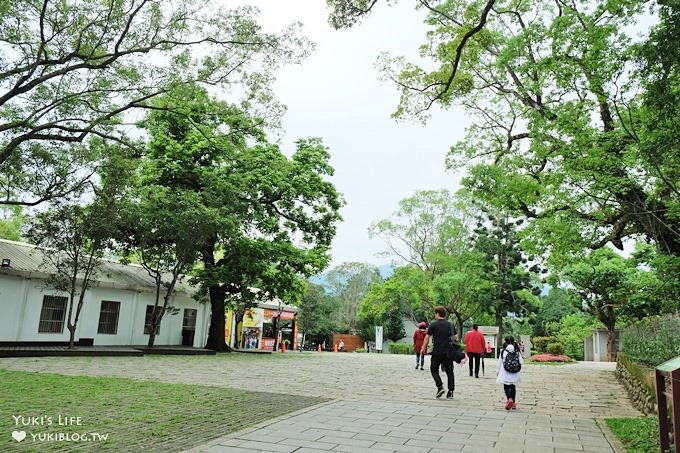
{"x": 382, "y": 404}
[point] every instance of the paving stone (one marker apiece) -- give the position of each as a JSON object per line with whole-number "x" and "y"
{"x": 378, "y": 404}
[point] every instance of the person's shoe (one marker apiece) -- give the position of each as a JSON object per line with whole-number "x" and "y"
{"x": 509, "y": 404}
{"x": 416, "y": 367}
{"x": 422, "y": 368}
{"x": 470, "y": 374}
{"x": 440, "y": 392}
{"x": 477, "y": 376}
{"x": 514, "y": 406}
{"x": 449, "y": 394}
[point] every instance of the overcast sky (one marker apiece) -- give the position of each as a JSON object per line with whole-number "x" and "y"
{"x": 336, "y": 95}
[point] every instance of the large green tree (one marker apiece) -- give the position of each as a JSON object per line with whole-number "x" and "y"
{"x": 349, "y": 283}
{"x": 70, "y": 70}
{"x": 515, "y": 278}
{"x": 316, "y": 317}
{"x": 606, "y": 282}
{"x": 267, "y": 220}
{"x": 74, "y": 238}
{"x": 554, "y": 96}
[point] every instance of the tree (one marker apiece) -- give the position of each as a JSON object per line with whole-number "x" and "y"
{"x": 554, "y": 98}
{"x": 267, "y": 220}
{"x": 467, "y": 289}
{"x": 72, "y": 70}
{"x": 512, "y": 275}
{"x": 605, "y": 282}
{"x": 162, "y": 240}
{"x": 12, "y": 223}
{"x": 349, "y": 283}
{"x": 75, "y": 238}
{"x": 555, "y": 305}
{"x": 316, "y": 314}
{"x": 428, "y": 226}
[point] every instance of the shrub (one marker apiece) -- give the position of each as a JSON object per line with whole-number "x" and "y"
{"x": 540, "y": 344}
{"x": 555, "y": 348}
{"x": 360, "y": 350}
{"x": 653, "y": 340}
{"x": 549, "y": 358}
{"x": 401, "y": 348}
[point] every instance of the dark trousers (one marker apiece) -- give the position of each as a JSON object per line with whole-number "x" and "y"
{"x": 435, "y": 362}
{"x": 477, "y": 359}
{"x": 420, "y": 359}
{"x": 510, "y": 391}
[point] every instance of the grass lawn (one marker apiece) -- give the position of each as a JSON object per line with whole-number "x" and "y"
{"x": 638, "y": 435}
{"x": 132, "y": 415}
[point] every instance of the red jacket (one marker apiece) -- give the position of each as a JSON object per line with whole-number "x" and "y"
{"x": 474, "y": 341}
{"x": 418, "y": 337}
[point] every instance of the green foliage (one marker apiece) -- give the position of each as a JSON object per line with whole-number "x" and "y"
{"x": 570, "y": 331}
{"x": 555, "y": 305}
{"x": 555, "y": 348}
{"x": 264, "y": 220}
{"x": 316, "y": 315}
{"x": 401, "y": 348}
{"x": 72, "y": 70}
{"x": 350, "y": 283}
{"x": 360, "y": 350}
{"x": 638, "y": 435}
{"x": 540, "y": 344}
{"x": 653, "y": 340}
{"x": 11, "y": 223}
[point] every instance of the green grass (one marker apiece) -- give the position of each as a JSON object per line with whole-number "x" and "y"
{"x": 638, "y": 435}
{"x": 135, "y": 415}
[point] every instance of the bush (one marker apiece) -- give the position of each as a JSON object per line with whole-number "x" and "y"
{"x": 653, "y": 340}
{"x": 360, "y": 350}
{"x": 549, "y": 358}
{"x": 555, "y": 348}
{"x": 540, "y": 344}
{"x": 401, "y": 348}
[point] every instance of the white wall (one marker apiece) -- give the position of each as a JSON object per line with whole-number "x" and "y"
{"x": 21, "y": 302}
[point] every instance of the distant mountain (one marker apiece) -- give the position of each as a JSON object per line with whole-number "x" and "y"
{"x": 386, "y": 271}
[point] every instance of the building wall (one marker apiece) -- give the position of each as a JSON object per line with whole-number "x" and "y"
{"x": 21, "y": 302}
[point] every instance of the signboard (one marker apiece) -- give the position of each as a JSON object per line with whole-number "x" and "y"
{"x": 488, "y": 330}
{"x": 378, "y": 338}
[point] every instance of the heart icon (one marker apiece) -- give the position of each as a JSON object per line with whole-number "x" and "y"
{"x": 19, "y": 435}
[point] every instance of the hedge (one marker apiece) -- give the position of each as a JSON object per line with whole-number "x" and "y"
{"x": 653, "y": 340}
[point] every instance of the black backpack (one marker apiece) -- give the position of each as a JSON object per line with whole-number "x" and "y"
{"x": 511, "y": 361}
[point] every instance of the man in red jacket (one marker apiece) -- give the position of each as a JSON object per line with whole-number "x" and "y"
{"x": 418, "y": 337}
{"x": 474, "y": 346}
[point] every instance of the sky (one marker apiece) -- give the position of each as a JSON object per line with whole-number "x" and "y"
{"x": 335, "y": 94}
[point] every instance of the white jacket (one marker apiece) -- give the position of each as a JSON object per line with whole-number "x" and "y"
{"x": 503, "y": 377}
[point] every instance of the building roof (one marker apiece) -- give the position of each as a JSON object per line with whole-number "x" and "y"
{"x": 28, "y": 261}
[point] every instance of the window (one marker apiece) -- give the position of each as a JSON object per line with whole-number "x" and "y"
{"x": 147, "y": 320}
{"x": 52, "y": 314}
{"x": 108, "y": 317}
{"x": 189, "y": 322}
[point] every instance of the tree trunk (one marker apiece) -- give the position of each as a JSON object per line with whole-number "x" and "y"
{"x": 611, "y": 343}
{"x": 499, "y": 324}
{"x": 152, "y": 337}
{"x": 216, "y": 340}
{"x": 72, "y": 335}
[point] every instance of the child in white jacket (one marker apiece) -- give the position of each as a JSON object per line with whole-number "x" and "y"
{"x": 507, "y": 378}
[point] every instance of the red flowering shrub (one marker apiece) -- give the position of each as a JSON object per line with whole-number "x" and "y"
{"x": 549, "y": 358}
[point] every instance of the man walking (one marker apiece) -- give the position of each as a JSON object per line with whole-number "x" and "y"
{"x": 474, "y": 347}
{"x": 440, "y": 331}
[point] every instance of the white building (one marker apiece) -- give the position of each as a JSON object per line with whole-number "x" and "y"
{"x": 116, "y": 311}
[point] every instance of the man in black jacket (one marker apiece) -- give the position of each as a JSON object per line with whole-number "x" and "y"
{"x": 441, "y": 331}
